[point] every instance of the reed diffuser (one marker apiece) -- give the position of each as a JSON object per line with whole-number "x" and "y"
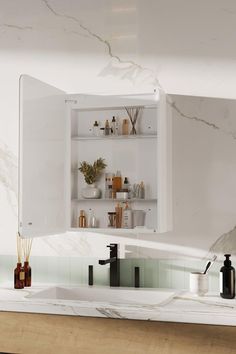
{"x": 19, "y": 273}
{"x": 27, "y": 245}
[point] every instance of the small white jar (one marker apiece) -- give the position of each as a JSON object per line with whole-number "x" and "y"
{"x": 198, "y": 283}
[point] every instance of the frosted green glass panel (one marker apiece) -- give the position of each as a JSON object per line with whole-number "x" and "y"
{"x": 154, "y": 273}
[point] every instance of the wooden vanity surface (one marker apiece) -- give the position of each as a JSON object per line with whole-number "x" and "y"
{"x": 35, "y": 333}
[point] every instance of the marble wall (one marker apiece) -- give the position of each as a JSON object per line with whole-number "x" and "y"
{"x": 127, "y": 46}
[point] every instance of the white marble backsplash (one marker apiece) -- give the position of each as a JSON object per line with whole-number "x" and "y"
{"x": 125, "y": 49}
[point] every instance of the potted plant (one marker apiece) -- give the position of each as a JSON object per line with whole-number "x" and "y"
{"x": 91, "y": 173}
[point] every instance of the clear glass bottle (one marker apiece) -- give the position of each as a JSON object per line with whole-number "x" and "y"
{"x": 108, "y": 180}
{"x": 95, "y": 128}
{"x": 92, "y": 221}
{"x": 101, "y": 132}
{"x": 141, "y": 192}
{"x": 127, "y": 217}
{"x": 117, "y": 127}
{"x": 111, "y": 219}
{"x": 107, "y": 128}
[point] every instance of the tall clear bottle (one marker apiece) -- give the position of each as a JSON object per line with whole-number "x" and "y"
{"x": 96, "y": 129}
{"x": 107, "y": 128}
{"x": 127, "y": 217}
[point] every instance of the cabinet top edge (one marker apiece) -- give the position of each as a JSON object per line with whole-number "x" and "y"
{"x": 103, "y": 102}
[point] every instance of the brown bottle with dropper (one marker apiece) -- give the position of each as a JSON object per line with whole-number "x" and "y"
{"x": 82, "y": 219}
{"x": 19, "y": 273}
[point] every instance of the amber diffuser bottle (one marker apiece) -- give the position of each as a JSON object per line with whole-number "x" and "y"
{"x": 27, "y": 270}
{"x": 27, "y": 245}
{"x": 19, "y": 276}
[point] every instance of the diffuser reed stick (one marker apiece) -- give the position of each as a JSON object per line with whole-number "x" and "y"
{"x": 19, "y": 248}
{"x": 27, "y": 245}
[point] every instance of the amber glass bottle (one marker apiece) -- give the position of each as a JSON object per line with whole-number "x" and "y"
{"x": 125, "y": 127}
{"x": 27, "y": 270}
{"x": 82, "y": 219}
{"x": 117, "y": 182}
{"x": 19, "y": 277}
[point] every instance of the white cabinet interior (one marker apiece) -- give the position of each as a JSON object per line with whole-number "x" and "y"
{"x": 135, "y": 156}
{"x": 56, "y": 135}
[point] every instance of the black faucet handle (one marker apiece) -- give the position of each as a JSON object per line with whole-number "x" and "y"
{"x": 112, "y": 245}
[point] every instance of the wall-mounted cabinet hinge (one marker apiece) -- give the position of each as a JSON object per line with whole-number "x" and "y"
{"x": 71, "y": 101}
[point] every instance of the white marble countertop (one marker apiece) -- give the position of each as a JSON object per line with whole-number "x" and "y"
{"x": 180, "y": 306}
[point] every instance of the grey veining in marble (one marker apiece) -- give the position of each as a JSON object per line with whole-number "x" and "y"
{"x": 200, "y": 120}
{"x": 129, "y": 69}
{"x": 16, "y": 27}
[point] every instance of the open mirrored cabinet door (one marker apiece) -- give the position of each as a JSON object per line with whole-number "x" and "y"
{"x": 164, "y": 168}
{"x": 42, "y": 159}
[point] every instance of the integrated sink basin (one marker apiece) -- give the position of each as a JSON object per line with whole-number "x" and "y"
{"x": 105, "y": 294}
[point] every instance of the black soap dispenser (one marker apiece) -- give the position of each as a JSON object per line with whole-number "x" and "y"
{"x": 227, "y": 279}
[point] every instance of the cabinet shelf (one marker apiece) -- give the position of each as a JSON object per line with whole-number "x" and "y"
{"x": 114, "y": 231}
{"x": 112, "y": 137}
{"x": 101, "y": 200}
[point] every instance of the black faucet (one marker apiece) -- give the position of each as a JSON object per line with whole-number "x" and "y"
{"x": 114, "y": 264}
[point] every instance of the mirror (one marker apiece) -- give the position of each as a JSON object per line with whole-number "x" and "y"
{"x": 204, "y": 187}
{"x": 42, "y": 158}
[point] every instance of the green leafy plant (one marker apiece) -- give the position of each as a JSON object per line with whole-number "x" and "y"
{"x": 92, "y": 172}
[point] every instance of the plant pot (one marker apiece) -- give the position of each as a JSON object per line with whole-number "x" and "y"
{"x": 91, "y": 192}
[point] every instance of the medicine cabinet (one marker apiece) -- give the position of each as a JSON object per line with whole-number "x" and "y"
{"x": 56, "y": 135}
